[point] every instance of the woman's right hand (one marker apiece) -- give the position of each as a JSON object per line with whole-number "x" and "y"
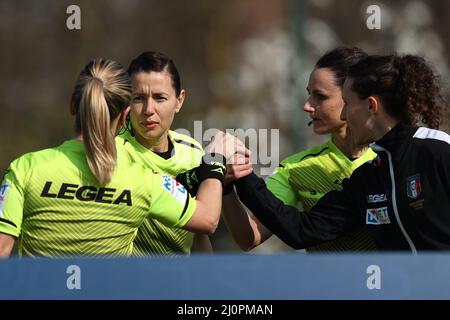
{"x": 239, "y": 167}
{"x": 227, "y": 145}
{"x": 236, "y": 154}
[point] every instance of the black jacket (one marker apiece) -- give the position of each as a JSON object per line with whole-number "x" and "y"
{"x": 402, "y": 197}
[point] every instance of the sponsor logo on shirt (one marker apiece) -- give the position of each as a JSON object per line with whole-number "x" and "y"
{"x": 3, "y": 191}
{"x": 413, "y": 186}
{"x": 375, "y": 198}
{"x": 377, "y": 216}
{"x": 176, "y": 189}
{"x": 70, "y": 191}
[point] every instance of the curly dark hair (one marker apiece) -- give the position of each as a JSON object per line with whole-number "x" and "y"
{"x": 407, "y": 86}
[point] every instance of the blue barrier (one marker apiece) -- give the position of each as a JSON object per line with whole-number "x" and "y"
{"x": 225, "y": 277}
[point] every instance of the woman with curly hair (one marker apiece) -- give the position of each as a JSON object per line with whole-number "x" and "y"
{"x": 403, "y": 195}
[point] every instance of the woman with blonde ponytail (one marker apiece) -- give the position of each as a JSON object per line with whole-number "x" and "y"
{"x": 79, "y": 199}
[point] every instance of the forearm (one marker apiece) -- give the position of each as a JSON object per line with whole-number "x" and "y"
{"x": 297, "y": 229}
{"x": 6, "y": 245}
{"x": 209, "y": 203}
{"x": 246, "y": 230}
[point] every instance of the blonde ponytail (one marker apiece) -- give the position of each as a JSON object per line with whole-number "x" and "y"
{"x": 97, "y": 136}
{"x": 102, "y": 91}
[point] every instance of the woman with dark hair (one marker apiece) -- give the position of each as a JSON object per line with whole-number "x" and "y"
{"x": 80, "y": 199}
{"x": 308, "y": 175}
{"x": 157, "y": 97}
{"x": 403, "y": 195}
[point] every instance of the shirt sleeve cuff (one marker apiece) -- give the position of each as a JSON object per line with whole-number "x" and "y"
{"x": 188, "y": 213}
{"x": 9, "y": 229}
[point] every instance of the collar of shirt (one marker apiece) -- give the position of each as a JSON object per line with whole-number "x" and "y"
{"x": 397, "y": 140}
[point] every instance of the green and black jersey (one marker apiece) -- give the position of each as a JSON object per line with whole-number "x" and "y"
{"x": 52, "y": 202}
{"x": 307, "y": 176}
{"x": 153, "y": 237}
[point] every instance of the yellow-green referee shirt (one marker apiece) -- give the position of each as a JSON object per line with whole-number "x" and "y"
{"x": 52, "y": 202}
{"x": 154, "y": 237}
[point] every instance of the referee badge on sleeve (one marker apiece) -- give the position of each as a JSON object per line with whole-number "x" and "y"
{"x": 176, "y": 189}
{"x": 3, "y": 191}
